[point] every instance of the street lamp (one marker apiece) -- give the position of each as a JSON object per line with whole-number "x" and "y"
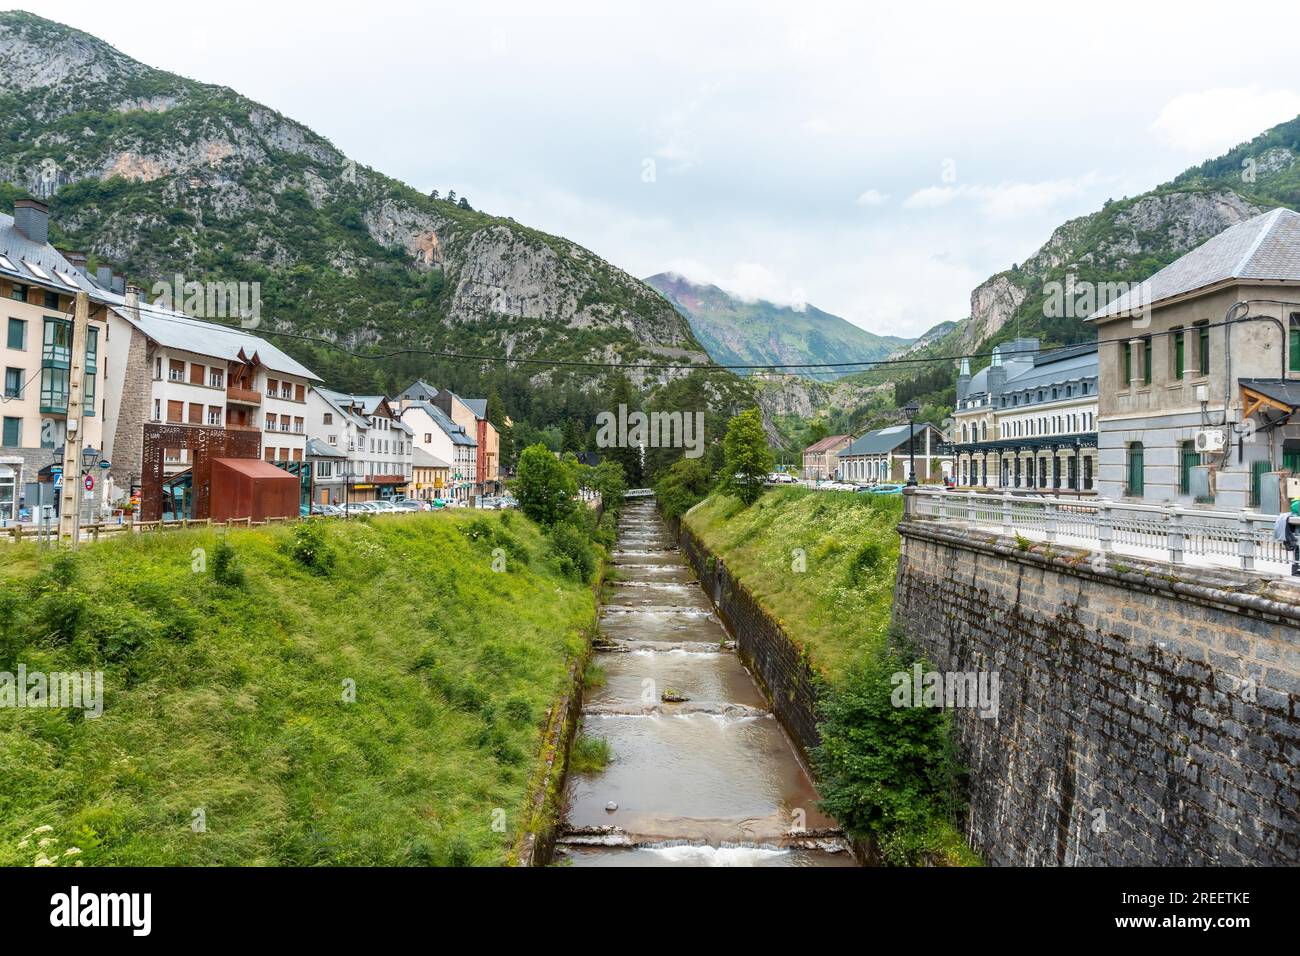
{"x": 910, "y": 410}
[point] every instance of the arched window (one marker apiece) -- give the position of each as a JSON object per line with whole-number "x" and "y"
{"x": 984, "y": 431}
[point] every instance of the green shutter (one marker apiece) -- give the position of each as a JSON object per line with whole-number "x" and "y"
{"x": 1136, "y": 471}
{"x": 12, "y": 432}
{"x": 1146, "y": 361}
{"x": 1295, "y": 349}
{"x": 1204, "y": 351}
{"x": 1179, "y": 352}
{"x": 1128, "y": 364}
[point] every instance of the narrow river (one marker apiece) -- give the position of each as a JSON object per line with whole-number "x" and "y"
{"x": 711, "y": 780}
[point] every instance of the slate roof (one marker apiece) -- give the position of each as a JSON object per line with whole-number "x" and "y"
{"x": 1266, "y": 247}
{"x": 443, "y": 421}
{"x": 320, "y": 449}
{"x": 422, "y": 459}
{"x": 1285, "y": 391}
{"x": 16, "y": 247}
{"x": 883, "y": 440}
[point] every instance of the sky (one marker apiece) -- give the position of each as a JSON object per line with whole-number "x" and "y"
{"x": 877, "y": 161}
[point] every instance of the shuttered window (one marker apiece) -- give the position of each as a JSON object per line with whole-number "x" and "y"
{"x": 1136, "y": 470}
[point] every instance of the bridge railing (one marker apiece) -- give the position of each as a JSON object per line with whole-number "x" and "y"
{"x": 1170, "y": 533}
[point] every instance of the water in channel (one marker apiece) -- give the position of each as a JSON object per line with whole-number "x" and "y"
{"x": 711, "y": 780}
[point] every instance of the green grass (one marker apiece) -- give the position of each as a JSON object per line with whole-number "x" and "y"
{"x": 837, "y": 609}
{"x": 229, "y": 699}
{"x": 589, "y": 755}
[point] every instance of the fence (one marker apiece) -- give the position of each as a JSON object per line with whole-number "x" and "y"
{"x": 1179, "y": 535}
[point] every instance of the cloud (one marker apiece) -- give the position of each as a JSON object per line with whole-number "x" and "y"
{"x": 750, "y": 281}
{"x": 872, "y": 197}
{"x": 1009, "y": 200}
{"x": 1211, "y": 122}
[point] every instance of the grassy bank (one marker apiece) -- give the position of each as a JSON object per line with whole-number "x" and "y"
{"x": 229, "y": 707}
{"x": 823, "y": 565}
{"x": 821, "y": 562}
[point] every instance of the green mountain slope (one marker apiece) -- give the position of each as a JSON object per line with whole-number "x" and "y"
{"x": 158, "y": 174}
{"x": 738, "y": 332}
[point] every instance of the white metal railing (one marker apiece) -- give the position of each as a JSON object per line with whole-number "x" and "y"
{"x": 1171, "y": 533}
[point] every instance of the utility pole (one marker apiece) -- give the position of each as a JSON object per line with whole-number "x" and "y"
{"x": 70, "y": 504}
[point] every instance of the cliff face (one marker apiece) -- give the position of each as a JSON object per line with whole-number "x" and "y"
{"x": 160, "y": 175}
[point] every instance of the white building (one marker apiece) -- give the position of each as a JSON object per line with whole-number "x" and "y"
{"x": 368, "y": 430}
{"x": 434, "y": 431}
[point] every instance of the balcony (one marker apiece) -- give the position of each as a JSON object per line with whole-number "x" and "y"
{"x": 243, "y": 396}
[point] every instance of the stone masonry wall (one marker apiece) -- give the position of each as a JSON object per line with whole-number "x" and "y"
{"x": 128, "y": 437}
{"x": 1147, "y": 712}
{"x": 787, "y": 679}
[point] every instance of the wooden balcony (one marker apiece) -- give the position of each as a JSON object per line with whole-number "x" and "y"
{"x": 243, "y": 396}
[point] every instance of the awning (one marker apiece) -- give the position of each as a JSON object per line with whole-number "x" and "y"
{"x": 1279, "y": 394}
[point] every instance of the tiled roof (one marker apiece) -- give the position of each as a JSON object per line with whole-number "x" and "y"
{"x": 1266, "y": 247}
{"x": 422, "y": 459}
{"x": 443, "y": 421}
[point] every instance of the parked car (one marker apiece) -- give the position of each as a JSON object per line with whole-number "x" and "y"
{"x": 410, "y": 504}
{"x": 885, "y": 490}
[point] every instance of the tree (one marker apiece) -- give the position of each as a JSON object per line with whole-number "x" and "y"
{"x": 464, "y": 203}
{"x": 818, "y": 430}
{"x": 451, "y": 195}
{"x": 608, "y": 480}
{"x": 748, "y": 460}
{"x": 628, "y": 457}
{"x": 434, "y": 194}
{"x": 496, "y": 414}
{"x": 683, "y": 486}
{"x": 544, "y": 486}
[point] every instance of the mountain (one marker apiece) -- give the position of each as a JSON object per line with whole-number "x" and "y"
{"x": 157, "y": 175}
{"x": 736, "y": 331}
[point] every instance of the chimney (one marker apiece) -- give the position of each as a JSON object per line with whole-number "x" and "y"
{"x": 32, "y": 218}
{"x": 119, "y": 283}
{"x": 132, "y": 301}
{"x": 104, "y": 276}
{"x": 78, "y": 261}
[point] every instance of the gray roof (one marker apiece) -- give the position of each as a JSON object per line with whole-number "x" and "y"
{"x": 176, "y": 330}
{"x": 422, "y": 459}
{"x": 883, "y": 440}
{"x": 443, "y": 421}
{"x": 476, "y": 405}
{"x": 1285, "y": 391}
{"x": 1264, "y": 248}
{"x": 335, "y": 401}
{"x": 319, "y": 449}
{"x": 17, "y": 248}
{"x": 1049, "y": 371}
{"x": 418, "y": 391}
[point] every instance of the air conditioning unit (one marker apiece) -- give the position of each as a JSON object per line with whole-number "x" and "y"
{"x": 1210, "y": 440}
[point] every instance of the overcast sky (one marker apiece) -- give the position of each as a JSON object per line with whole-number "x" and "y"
{"x": 876, "y": 163}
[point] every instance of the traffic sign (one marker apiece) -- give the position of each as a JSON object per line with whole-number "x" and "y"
{"x": 90, "y": 482}
{"x": 105, "y": 464}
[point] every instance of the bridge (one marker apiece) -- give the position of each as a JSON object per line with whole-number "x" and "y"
{"x": 640, "y": 493}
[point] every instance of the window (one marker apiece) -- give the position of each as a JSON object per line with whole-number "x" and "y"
{"x": 324, "y": 469}
{"x": 286, "y": 390}
{"x": 12, "y": 434}
{"x": 157, "y": 368}
{"x": 214, "y": 415}
{"x": 1180, "y": 354}
{"x": 428, "y": 438}
{"x": 18, "y": 292}
{"x": 333, "y": 439}
{"x": 196, "y": 373}
{"x": 1136, "y": 471}
{"x": 13, "y": 383}
{"x": 297, "y": 454}
{"x": 269, "y": 454}
{"x": 300, "y": 392}
{"x": 58, "y": 342}
{"x": 1294, "y": 350}
{"x": 1188, "y": 458}
{"x": 176, "y": 371}
{"x": 17, "y": 335}
{"x": 216, "y": 378}
{"x": 1146, "y": 360}
{"x": 88, "y": 394}
{"x": 196, "y": 413}
{"x": 297, "y": 425}
{"x": 1203, "y": 346}
{"x": 54, "y": 389}
{"x": 157, "y": 409}
{"x": 1127, "y": 365}
{"x": 328, "y": 419}
{"x": 272, "y": 386}
{"x": 175, "y": 411}
{"x": 51, "y": 300}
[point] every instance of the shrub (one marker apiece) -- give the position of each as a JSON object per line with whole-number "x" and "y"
{"x": 577, "y": 556}
{"x": 307, "y": 546}
{"x": 886, "y": 772}
{"x": 589, "y": 754}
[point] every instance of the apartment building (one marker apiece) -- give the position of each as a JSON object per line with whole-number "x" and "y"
{"x": 471, "y": 415}
{"x": 435, "y": 432}
{"x": 377, "y": 443}
{"x": 38, "y": 286}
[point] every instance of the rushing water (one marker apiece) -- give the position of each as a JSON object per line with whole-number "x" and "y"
{"x": 711, "y": 780}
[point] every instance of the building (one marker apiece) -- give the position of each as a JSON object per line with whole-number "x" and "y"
{"x": 1028, "y": 420}
{"x": 328, "y": 468}
{"x": 38, "y": 286}
{"x": 430, "y": 477}
{"x": 1200, "y": 372}
{"x": 884, "y": 455}
{"x": 370, "y": 432}
{"x": 435, "y": 432}
{"x": 471, "y": 415}
{"x": 821, "y": 458}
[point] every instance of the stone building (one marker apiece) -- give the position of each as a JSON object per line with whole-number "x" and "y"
{"x": 884, "y": 455}
{"x": 1200, "y": 372}
{"x": 822, "y": 458}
